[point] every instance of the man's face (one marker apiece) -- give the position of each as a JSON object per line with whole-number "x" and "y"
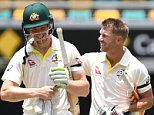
{"x": 106, "y": 39}
{"x": 40, "y": 35}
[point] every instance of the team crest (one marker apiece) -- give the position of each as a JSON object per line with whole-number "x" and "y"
{"x": 56, "y": 58}
{"x": 34, "y": 17}
{"x": 120, "y": 73}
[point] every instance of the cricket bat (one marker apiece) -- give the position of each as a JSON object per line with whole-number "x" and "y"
{"x": 131, "y": 89}
{"x": 74, "y": 107}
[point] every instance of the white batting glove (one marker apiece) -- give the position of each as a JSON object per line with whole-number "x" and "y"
{"x": 60, "y": 76}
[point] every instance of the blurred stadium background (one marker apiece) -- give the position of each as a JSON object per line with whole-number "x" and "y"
{"x": 81, "y": 21}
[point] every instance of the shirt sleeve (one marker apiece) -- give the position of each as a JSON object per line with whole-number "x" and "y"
{"x": 85, "y": 64}
{"x": 143, "y": 79}
{"x": 13, "y": 71}
{"x": 74, "y": 57}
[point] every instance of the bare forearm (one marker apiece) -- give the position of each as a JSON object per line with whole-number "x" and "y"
{"x": 16, "y": 94}
{"x": 78, "y": 87}
{"x": 142, "y": 104}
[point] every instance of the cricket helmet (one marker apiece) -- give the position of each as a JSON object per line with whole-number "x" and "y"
{"x": 35, "y": 15}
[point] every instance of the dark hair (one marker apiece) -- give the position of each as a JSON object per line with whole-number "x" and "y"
{"x": 117, "y": 26}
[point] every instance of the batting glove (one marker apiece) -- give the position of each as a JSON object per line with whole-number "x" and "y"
{"x": 60, "y": 76}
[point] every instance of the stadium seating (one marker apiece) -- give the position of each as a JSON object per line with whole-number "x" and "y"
{"x": 100, "y": 15}
{"x": 78, "y": 4}
{"x": 150, "y": 15}
{"x": 76, "y": 10}
{"x": 133, "y": 14}
{"x": 133, "y": 0}
{"x": 5, "y": 14}
{"x": 79, "y": 15}
{"x": 58, "y": 14}
{"x": 107, "y": 0}
{"x": 17, "y": 14}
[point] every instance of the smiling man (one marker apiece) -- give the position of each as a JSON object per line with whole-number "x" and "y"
{"x": 109, "y": 69}
{"x": 32, "y": 65}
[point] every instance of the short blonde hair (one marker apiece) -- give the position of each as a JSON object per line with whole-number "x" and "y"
{"x": 117, "y": 26}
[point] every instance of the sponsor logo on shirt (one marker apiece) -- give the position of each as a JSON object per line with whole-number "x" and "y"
{"x": 97, "y": 70}
{"x": 78, "y": 60}
{"x": 148, "y": 80}
{"x": 31, "y": 63}
{"x": 8, "y": 69}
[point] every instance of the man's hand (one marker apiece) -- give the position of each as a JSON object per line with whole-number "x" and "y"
{"x": 60, "y": 76}
{"x": 46, "y": 92}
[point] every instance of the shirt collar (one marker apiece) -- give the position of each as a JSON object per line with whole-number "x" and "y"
{"x": 125, "y": 58}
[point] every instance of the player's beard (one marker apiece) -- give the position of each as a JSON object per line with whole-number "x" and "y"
{"x": 102, "y": 47}
{"x": 106, "y": 46}
{"x": 41, "y": 43}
